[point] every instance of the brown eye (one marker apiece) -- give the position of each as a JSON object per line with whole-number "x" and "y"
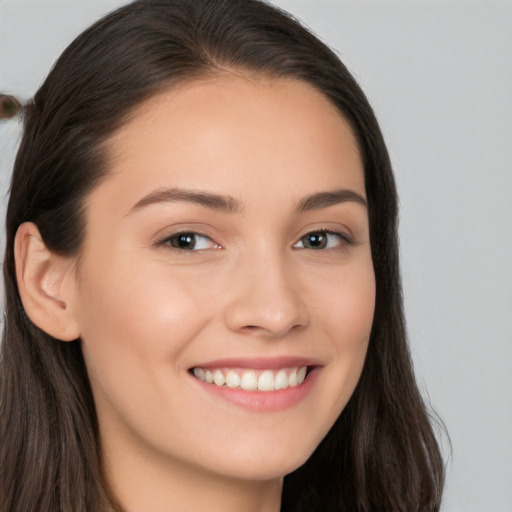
{"x": 318, "y": 240}
{"x": 185, "y": 241}
{"x": 315, "y": 240}
{"x": 190, "y": 241}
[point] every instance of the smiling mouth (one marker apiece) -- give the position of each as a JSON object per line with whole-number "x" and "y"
{"x": 253, "y": 379}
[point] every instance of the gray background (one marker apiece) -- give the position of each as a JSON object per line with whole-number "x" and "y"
{"x": 439, "y": 76}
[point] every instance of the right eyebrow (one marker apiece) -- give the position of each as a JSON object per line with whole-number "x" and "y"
{"x": 325, "y": 199}
{"x": 218, "y": 202}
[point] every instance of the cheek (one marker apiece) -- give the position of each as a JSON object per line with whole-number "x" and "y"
{"x": 136, "y": 320}
{"x": 345, "y": 306}
{"x": 347, "y": 322}
{"x": 127, "y": 302}
{"x": 137, "y": 327}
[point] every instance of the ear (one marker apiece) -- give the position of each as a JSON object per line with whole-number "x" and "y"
{"x": 46, "y": 283}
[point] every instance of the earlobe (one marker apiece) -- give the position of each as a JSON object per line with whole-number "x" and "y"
{"x": 45, "y": 283}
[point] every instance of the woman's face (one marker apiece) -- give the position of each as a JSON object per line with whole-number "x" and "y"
{"x": 229, "y": 242}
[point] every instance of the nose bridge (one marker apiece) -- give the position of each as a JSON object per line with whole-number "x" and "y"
{"x": 265, "y": 296}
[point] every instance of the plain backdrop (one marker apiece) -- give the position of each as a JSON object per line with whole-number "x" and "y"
{"x": 439, "y": 75}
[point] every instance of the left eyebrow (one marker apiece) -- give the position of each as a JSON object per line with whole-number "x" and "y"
{"x": 325, "y": 199}
{"x": 222, "y": 203}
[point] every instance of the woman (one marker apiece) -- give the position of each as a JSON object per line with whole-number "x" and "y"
{"x": 203, "y": 306}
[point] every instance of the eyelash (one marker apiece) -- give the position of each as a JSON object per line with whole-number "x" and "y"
{"x": 344, "y": 239}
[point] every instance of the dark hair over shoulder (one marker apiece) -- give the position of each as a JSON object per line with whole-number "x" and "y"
{"x": 381, "y": 454}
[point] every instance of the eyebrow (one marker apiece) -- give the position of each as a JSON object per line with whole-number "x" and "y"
{"x": 228, "y": 204}
{"x": 325, "y": 199}
{"x": 218, "y": 202}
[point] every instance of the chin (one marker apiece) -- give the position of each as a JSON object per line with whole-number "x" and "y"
{"x": 263, "y": 463}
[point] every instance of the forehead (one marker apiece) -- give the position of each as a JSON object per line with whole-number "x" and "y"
{"x": 235, "y": 132}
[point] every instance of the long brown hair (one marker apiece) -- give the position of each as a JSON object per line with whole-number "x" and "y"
{"x": 381, "y": 454}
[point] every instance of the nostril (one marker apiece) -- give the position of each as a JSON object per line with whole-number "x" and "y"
{"x": 263, "y": 313}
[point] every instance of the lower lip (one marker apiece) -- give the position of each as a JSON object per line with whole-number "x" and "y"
{"x": 263, "y": 401}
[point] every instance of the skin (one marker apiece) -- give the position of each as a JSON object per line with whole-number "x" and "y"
{"x": 147, "y": 313}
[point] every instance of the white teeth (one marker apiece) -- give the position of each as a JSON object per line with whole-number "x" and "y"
{"x": 249, "y": 381}
{"x": 281, "y": 380}
{"x": 266, "y": 381}
{"x": 252, "y": 380}
{"x": 199, "y": 373}
{"x": 232, "y": 379}
{"x": 218, "y": 378}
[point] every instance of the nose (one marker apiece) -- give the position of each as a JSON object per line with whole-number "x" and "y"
{"x": 265, "y": 299}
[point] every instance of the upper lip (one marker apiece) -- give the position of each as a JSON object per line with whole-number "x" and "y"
{"x": 260, "y": 363}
